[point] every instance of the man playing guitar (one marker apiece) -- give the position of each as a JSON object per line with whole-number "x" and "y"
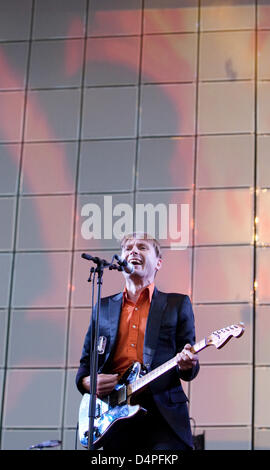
{"x": 144, "y": 325}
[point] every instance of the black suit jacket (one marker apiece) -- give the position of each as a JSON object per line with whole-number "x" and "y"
{"x": 169, "y": 327}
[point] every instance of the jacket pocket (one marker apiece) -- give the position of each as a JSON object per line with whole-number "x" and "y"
{"x": 178, "y": 396}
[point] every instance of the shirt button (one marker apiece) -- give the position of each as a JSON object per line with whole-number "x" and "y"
{"x": 134, "y": 326}
{"x": 136, "y": 308}
{"x": 132, "y": 345}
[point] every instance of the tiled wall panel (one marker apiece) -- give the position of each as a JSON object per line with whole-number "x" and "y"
{"x": 225, "y": 161}
{"x": 49, "y": 168}
{"x": 15, "y": 20}
{"x": 113, "y": 104}
{"x": 226, "y": 107}
{"x": 33, "y": 397}
{"x": 229, "y": 438}
{"x": 228, "y": 392}
{"x": 36, "y": 326}
{"x": 9, "y": 168}
{"x": 168, "y": 110}
{"x": 238, "y": 351}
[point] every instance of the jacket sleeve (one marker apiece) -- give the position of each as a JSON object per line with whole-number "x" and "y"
{"x": 84, "y": 368}
{"x": 186, "y": 334}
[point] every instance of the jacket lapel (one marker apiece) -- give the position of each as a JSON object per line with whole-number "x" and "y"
{"x": 157, "y": 307}
{"x": 115, "y": 306}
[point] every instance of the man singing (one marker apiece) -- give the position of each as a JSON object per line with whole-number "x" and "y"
{"x": 145, "y": 325}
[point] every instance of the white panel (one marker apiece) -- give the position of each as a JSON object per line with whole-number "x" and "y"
{"x": 223, "y": 216}
{"x": 71, "y": 440}
{"x": 114, "y": 18}
{"x": 169, "y": 58}
{"x": 59, "y": 18}
{"x": 262, "y": 337}
{"x": 209, "y": 318}
{"x": 229, "y": 438}
{"x": 174, "y": 158}
{"x": 263, "y": 214}
{"x": 262, "y": 386}
{"x": 5, "y": 272}
{"x": 227, "y": 55}
{"x": 23, "y": 439}
{"x": 118, "y": 155}
{"x": 3, "y": 335}
{"x": 9, "y": 168}
{"x": 56, "y": 64}
{"x": 49, "y": 167}
{"x": 79, "y": 322}
{"x": 172, "y": 16}
{"x": 14, "y": 61}
{"x": 7, "y": 217}
{"x": 223, "y": 274}
{"x": 226, "y": 108}
{"x": 263, "y": 160}
{"x": 263, "y": 54}
{"x": 44, "y": 337}
{"x": 221, "y": 15}
{"x": 11, "y": 114}
{"x": 109, "y": 112}
{"x": 262, "y": 439}
{"x": 168, "y": 110}
{"x": 1, "y": 384}
{"x": 112, "y": 61}
{"x": 41, "y": 279}
{"x": 263, "y": 106}
{"x": 52, "y": 115}
{"x": 175, "y": 274}
{"x": 15, "y": 20}
{"x": 222, "y": 395}
{"x": 263, "y": 14}
{"x": 225, "y": 160}
{"x": 73, "y": 399}
{"x": 45, "y": 223}
{"x": 263, "y": 275}
{"x": 33, "y": 398}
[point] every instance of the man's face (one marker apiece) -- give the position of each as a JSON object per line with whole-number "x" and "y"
{"x": 142, "y": 255}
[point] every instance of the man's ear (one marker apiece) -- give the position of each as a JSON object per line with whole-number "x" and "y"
{"x": 159, "y": 264}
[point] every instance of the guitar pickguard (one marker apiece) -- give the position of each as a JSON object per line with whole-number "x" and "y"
{"x": 110, "y": 410}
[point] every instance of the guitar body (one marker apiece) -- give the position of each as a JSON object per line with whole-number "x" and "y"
{"x": 111, "y": 411}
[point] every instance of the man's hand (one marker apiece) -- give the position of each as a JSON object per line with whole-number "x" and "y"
{"x": 186, "y": 359}
{"x": 105, "y": 383}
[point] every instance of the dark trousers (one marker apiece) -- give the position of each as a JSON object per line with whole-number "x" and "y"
{"x": 147, "y": 433}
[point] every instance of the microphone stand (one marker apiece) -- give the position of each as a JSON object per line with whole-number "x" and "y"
{"x": 93, "y": 353}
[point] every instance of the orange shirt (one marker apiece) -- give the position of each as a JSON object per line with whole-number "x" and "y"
{"x": 130, "y": 339}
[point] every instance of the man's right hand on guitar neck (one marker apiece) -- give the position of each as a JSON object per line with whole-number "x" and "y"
{"x": 105, "y": 383}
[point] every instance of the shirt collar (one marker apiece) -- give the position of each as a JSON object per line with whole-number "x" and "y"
{"x": 148, "y": 289}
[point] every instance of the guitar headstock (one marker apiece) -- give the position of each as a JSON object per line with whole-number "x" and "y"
{"x": 220, "y": 337}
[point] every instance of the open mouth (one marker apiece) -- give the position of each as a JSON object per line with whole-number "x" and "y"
{"x": 135, "y": 261}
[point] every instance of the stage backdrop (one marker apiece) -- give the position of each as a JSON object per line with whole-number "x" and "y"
{"x": 105, "y": 105}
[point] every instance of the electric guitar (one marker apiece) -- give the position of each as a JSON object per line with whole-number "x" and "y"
{"x": 114, "y": 409}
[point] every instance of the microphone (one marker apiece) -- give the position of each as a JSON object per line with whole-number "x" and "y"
{"x": 89, "y": 257}
{"x": 127, "y": 267}
{"x": 95, "y": 259}
{"x": 45, "y": 444}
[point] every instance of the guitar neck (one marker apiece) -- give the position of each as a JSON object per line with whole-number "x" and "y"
{"x": 145, "y": 380}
